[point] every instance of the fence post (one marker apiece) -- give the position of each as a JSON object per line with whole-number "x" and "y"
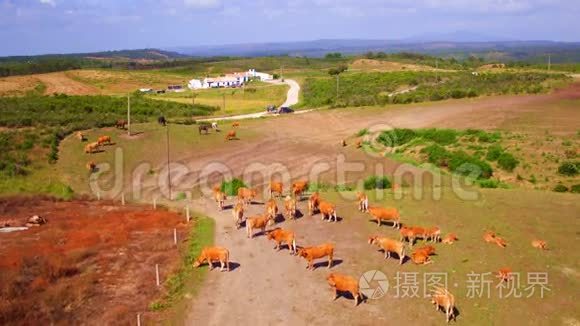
{"x": 98, "y": 195}
{"x": 155, "y": 203}
{"x": 123, "y": 199}
{"x": 157, "y": 274}
{"x": 175, "y": 236}
{"x": 187, "y": 217}
{"x": 138, "y": 319}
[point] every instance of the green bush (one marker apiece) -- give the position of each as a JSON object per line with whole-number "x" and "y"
{"x": 490, "y": 183}
{"x": 494, "y": 152}
{"x": 362, "y": 132}
{"x": 569, "y": 168}
{"x": 396, "y": 137}
{"x": 560, "y": 188}
{"x": 462, "y": 163}
{"x": 575, "y": 189}
{"x": 231, "y": 187}
{"x": 440, "y": 136}
{"x": 318, "y": 186}
{"x": 376, "y": 182}
{"x": 436, "y": 154}
{"x": 507, "y": 162}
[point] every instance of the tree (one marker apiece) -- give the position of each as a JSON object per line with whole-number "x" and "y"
{"x": 333, "y": 55}
{"x": 336, "y": 72}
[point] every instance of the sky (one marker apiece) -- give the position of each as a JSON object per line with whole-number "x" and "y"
{"x": 67, "y": 26}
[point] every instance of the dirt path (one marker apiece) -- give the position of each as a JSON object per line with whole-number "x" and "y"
{"x": 60, "y": 82}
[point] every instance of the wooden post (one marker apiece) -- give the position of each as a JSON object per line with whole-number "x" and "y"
{"x": 168, "y": 164}
{"x": 157, "y": 274}
{"x": 187, "y": 217}
{"x": 175, "y": 236}
{"x": 138, "y": 319}
{"x": 154, "y": 203}
{"x": 123, "y": 199}
{"x": 98, "y": 195}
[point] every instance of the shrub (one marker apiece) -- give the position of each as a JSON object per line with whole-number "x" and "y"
{"x": 376, "y": 182}
{"x": 569, "y": 168}
{"x": 440, "y": 136}
{"x": 231, "y": 187}
{"x": 396, "y": 137}
{"x": 462, "y": 163}
{"x": 490, "y": 183}
{"x": 575, "y": 189}
{"x": 507, "y": 162}
{"x": 362, "y": 132}
{"x": 318, "y": 186}
{"x": 436, "y": 154}
{"x": 493, "y": 152}
{"x": 560, "y": 188}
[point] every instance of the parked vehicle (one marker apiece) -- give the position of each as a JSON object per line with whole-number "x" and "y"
{"x": 271, "y": 108}
{"x": 285, "y": 109}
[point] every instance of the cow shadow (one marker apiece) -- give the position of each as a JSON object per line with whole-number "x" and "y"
{"x": 234, "y": 266}
{"x": 298, "y": 214}
{"x": 338, "y": 219}
{"x": 230, "y": 206}
{"x": 394, "y": 255}
{"x": 254, "y": 202}
{"x": 386, "y": 223}
{"x": 279, "y": 218}
{"x": 335, "y": 262}
{"x": 349, "y": 296}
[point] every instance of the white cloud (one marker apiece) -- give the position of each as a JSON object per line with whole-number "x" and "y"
{"x": 202, "y": 3}
{"x": 48, "y": 2}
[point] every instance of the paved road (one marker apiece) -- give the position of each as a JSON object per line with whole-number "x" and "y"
{"x": 291, "y": 99}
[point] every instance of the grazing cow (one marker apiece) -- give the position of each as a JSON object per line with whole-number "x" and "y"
{"x": 321, "y": 251}
{"x": 231, "y": 135}
{"x": 505, "y": 274}
{"x": 91, "y": 166}
{"x": 211, "y": 254}
{"x": 104, "y": 140}
{"x": 313, "y": 203}
{"x": 81, "y": 136}
{"x": 246, "y": 195}
{"x": 220, "y": 197}
{"x": 344, "y": 283}
{"x": 121, "y": 124}
{"x": 238, "y": 213}
{"x": 540, "y": 244}
{"x": 161, "y": 120}
{"x": 442, "y": 298}
{"x": 272, "y": 208}
{"x": 298, "y": 188}
{"x": 91, "y": 147}
{"x": 433, "y": 234}
{"x": 279, "y": 236}
{"x": 256, "y": 222}
{"x": 235, "y": 124}
{"x": 449, "y": 238}
{"x": 214, "y": 126}
{"x": 387, "y": 214}
{"x": 290, "y": 207}
{"x": 363, "y": 202}
{"x": 412, "y": 233}
{"x": 327, "y": 210}
{"x": 389, "y": 245}
{"x": 276, "y": 187}
{"x": 204, "y": 128}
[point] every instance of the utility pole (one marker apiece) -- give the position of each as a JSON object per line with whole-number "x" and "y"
{"x": 168, "y": 165}
{"x": 193, "y": 98}
{"x": 128, "y": 114}
{"x": 436, "y": 70}
{"x": 549, "y": 62}
{"x": 337, "y": 77}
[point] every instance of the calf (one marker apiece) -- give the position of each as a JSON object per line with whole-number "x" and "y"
{"x": 211, "y": 254}
{"x": 238, "y": 214}
{"x": 313, "y": 203}
{"x": 386, "y": 214}
{"x": 363, "y": 202}
{"x": 412, "y": 233}
{"x": 236, "y": 124}
{"x": 272, "y": 208}
{"x": 256, "y": 222}
{"x": 298, "y": 188}
{"x": 505, "y": 274}
{"x": 279, "y": 236}
{"x": 104, "y": 140}
{"x": 91, "y": 147}
{"x": 328, "y": 210}
{"x": 246, "y": 195}
{"x": 443, "y": 299}
{"x": 540, "y": 244}
{"x": 433, "y": 234}
{"x": 290, "y": 207}
{"x": 312, "y": 253}
{"x": 344, "y": 283}
{"x": 449, "y": 238}
{"x": 276, "y": 188}
{"x": 231, "y": 135}
{"x": 389, "y": 245}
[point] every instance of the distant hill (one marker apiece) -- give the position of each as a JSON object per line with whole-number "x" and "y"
{"x": 139, "y": 54}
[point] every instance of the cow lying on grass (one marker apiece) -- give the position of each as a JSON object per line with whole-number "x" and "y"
{"x": 104, "y": 140}
{"x": 344, "y": 283}
{"x": 290, "y": 207}
{"x": 540, "y": 244}
{"x": 421, "y": 255}
{"x": 91, "y": 147}
{"x": 449, "y": 238}
{"x": 443, "y": 299}
{"x": 283, "y": 236}
{"x": 317, "y": 252}
{"x": 490, "y": 237}
{"x": 388, "y": 246}
{"x": 328, "y": 210}
{"x": 381, "y": 214}
{"x": 256, "y": 222}
{"x": 211, "y": 254}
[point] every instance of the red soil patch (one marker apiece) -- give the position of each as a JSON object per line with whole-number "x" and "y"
{"x": 92, "y": 263}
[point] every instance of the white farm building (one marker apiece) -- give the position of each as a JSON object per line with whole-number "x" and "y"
{"x": 230, "y": 80}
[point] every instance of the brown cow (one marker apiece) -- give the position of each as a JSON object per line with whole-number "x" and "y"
{"x": 246, "y": 195}
{"x": 442, "y": 298}
{"x": 104, "y": 140}
{"x": 420, "y": 258}
{"x": 279, "y": 236}
{"x": 313, "y": 203}
{"x": 290, "y": 207}
{"x": 389, "y": 245}
{"x": 211, "y": 254}
{"x": 433, "y": 234}
{"x": 491, "y": 237}
{"x": 256, "y": 222}
{"x": 344, "y": 283}
{"x": 363, "y": 202}
{"x": 91, "y": 166}
{"x": 236, "y": 124}
{"x": 298, "y": 188}
{"x": 276, "y": 187}
{"x": 91, "y": 147}
{"x": 311, "y": 253}
{"x": 238, "y": 213}
{"x": 387, "y": 214}
{"x": 428, "y": 250}
{"x": 122, "y": 124}
{"x": 220, "y": 198}
{"x": 500, "y": 242}
{"x": 540, "y": 244}
{"x": 359, "y": 143}
{"x": 272, "y": 208}
{"x": 505, "y": 274}
{"x": 328, "y": 210}
{"x": 231, "y": 135}
{"x": 412, "y": 233}
{"x": 449, "y": 238}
